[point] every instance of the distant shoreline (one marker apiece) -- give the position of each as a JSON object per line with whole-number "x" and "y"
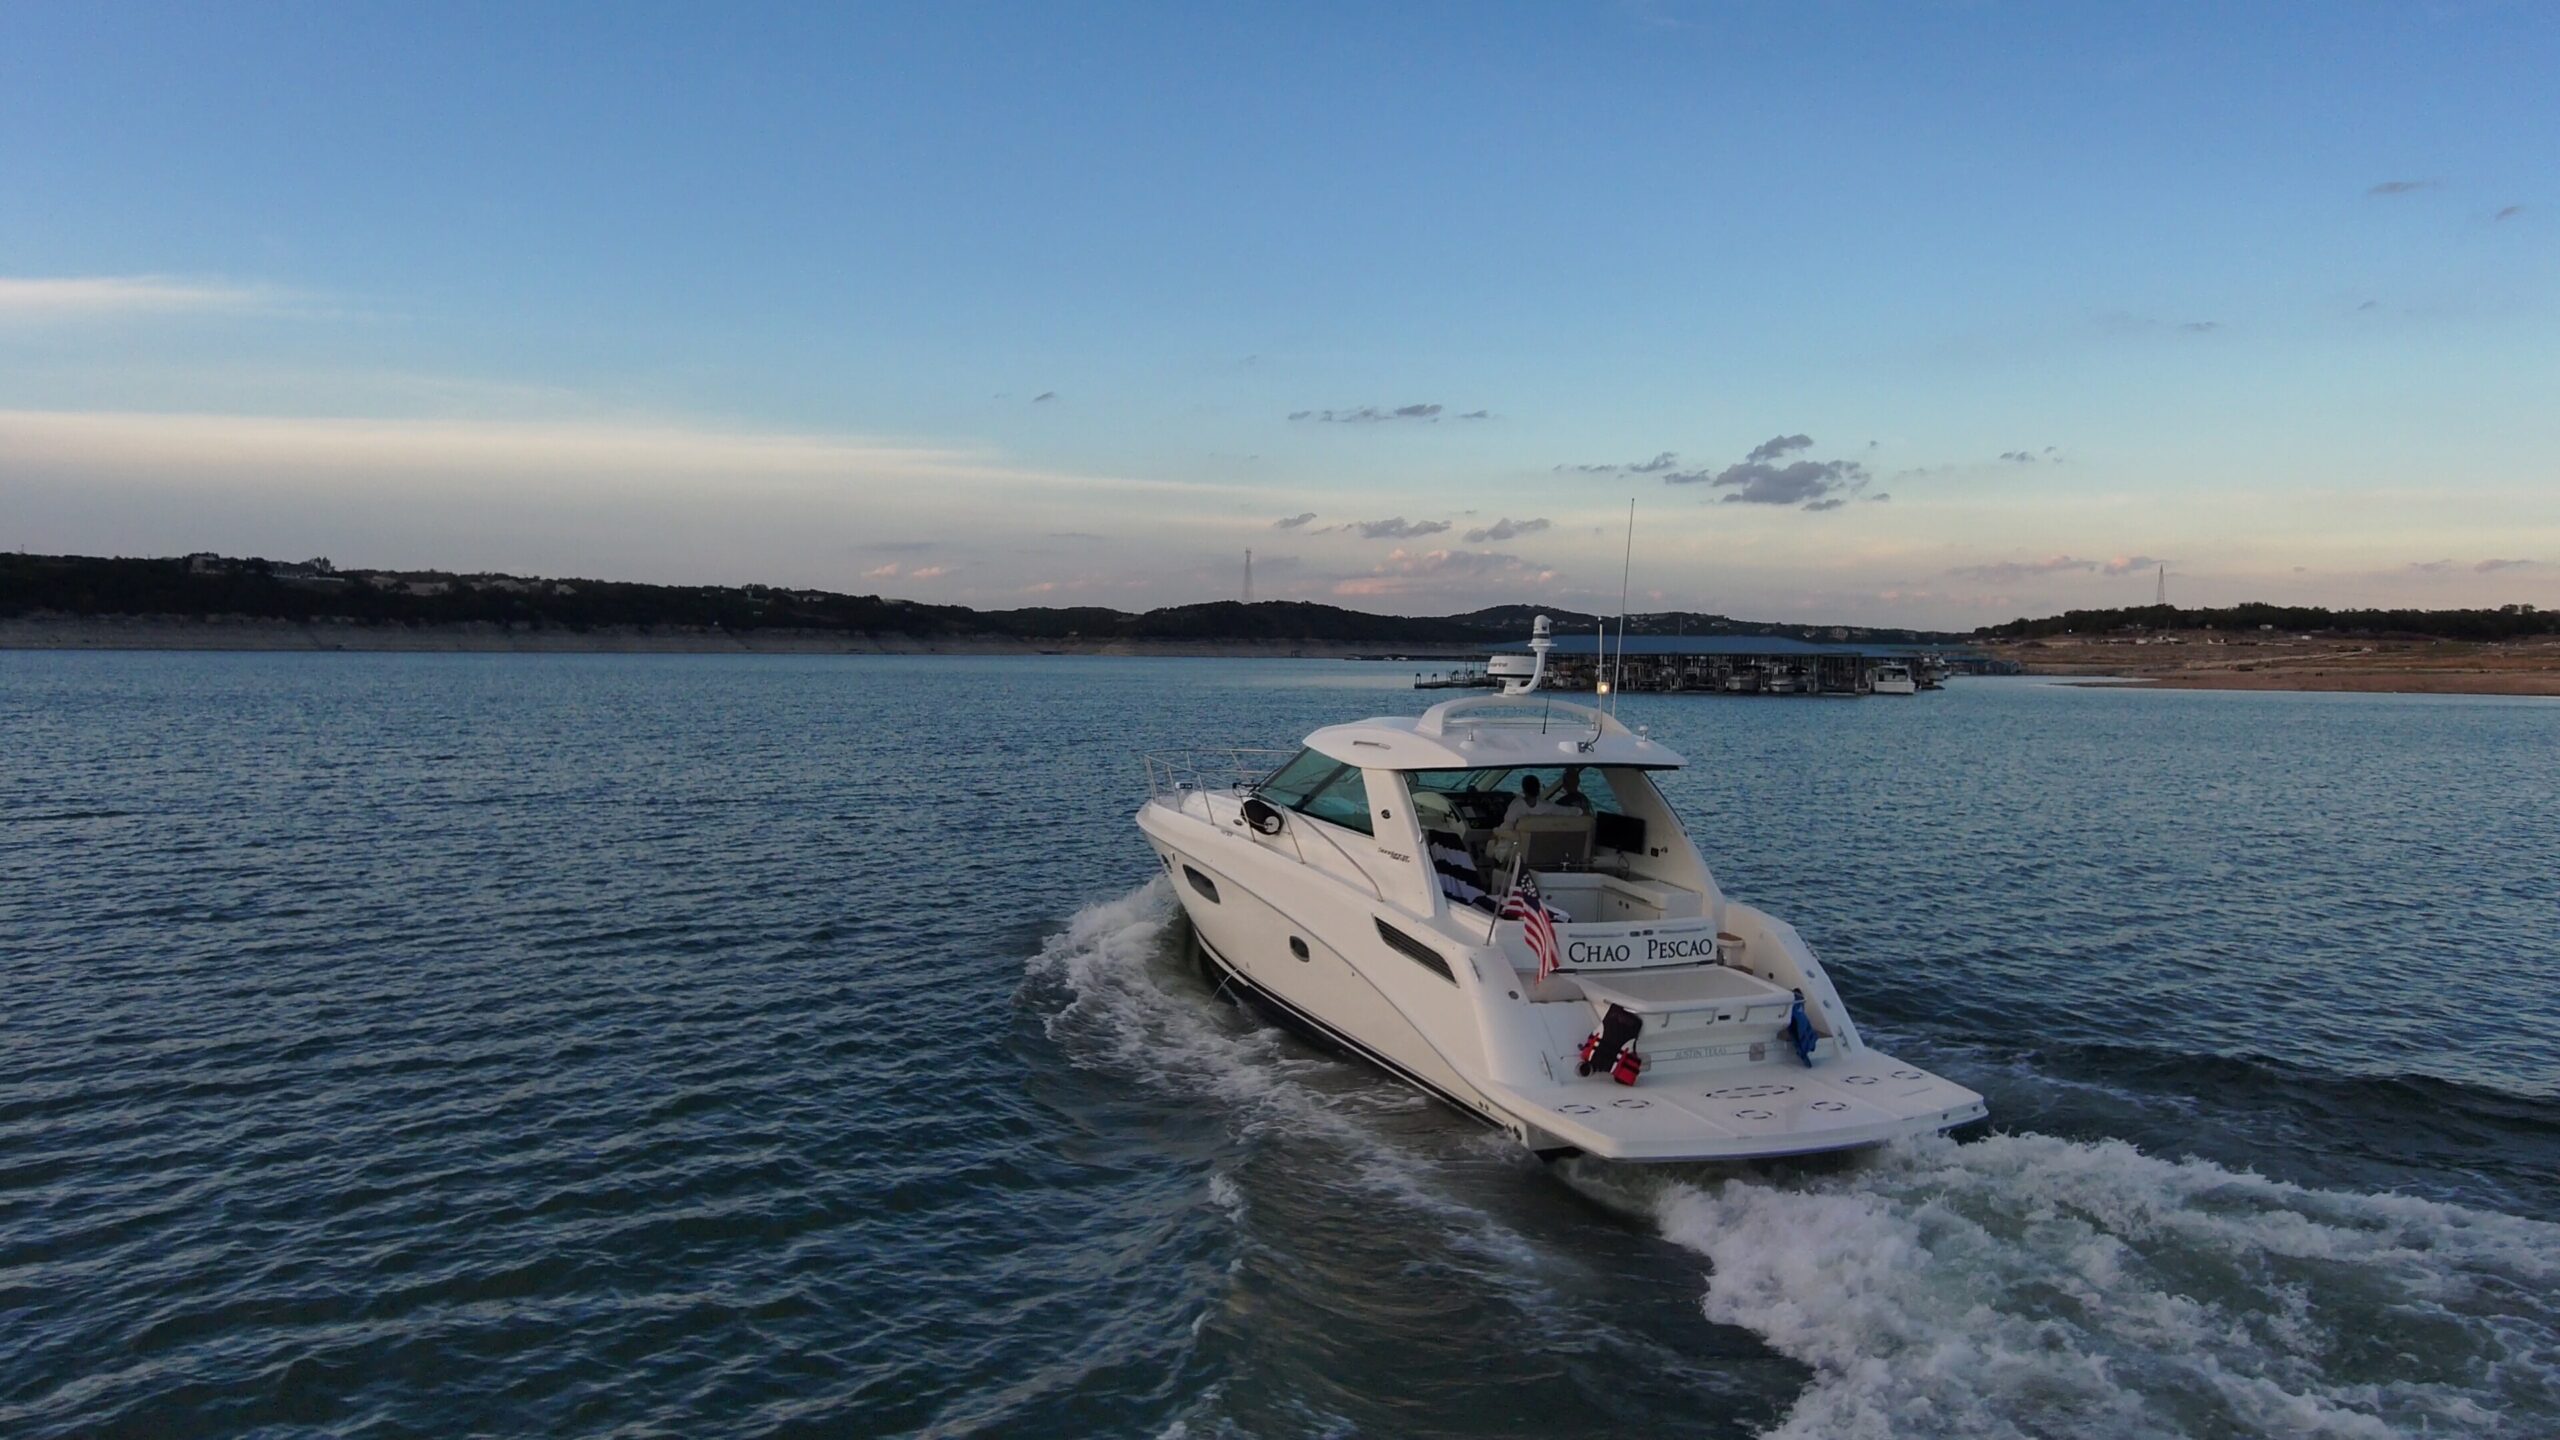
{"x": 2386, "y": 683}
{"x": 2302, "y": 663}
{"x": 257, "y": 634}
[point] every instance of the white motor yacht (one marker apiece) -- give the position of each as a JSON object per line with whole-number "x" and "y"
{"x": 1357, "y": 889}
{"x": 1895, "y": 680}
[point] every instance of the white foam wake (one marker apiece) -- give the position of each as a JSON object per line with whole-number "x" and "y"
{"x": 1120, "y": 1014}
{"x": 2019, "y": 1286}
{"x": 1126, "y": 1011}
{"x": 2027, "y": 1285}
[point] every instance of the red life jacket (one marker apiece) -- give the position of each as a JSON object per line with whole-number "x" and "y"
{"x": 1618, "y": 1028}
{"x": 1629, "y": 1062}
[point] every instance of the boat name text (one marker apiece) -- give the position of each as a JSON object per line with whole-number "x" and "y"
{"x": 1656, "y": 947}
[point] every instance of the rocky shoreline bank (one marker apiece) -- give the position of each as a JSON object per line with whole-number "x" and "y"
{"x": 2301, "y": 663}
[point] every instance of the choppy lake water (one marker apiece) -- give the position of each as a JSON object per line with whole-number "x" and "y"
{"x": 429, "y": 1045}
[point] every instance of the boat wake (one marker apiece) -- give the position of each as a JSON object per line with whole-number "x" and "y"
{"x": 2016, "y": 1285}
{"x": 1130, "y": 1007}
{"x": 1122, "y": 1012}
{"x": 2024, "y": 1284}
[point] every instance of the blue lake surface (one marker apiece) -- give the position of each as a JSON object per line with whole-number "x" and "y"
{"x": 586, "y": 1045}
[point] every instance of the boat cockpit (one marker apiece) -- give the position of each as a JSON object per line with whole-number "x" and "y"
{"x": 1599, "y": 840}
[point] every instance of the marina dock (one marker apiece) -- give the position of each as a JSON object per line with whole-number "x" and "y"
{"x": 1747, "y": 664}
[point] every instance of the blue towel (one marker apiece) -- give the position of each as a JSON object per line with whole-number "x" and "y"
{"x": 1800, "y": 1030}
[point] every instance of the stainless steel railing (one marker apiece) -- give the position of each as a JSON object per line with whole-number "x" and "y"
{"x": 1216, "y": 769}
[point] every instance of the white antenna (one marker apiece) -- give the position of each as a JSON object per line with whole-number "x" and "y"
{"x": 1248, "y": 574}
{"x": 1618, "y": 677}
{"x": 1540, "y": 642}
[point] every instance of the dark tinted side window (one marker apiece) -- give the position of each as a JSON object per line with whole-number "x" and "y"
{"x": 1415, "y": 950}
{"x": 1298, "y": 779}
{"x": 1321, "y": 786}
{"x": 1344, "y": 800}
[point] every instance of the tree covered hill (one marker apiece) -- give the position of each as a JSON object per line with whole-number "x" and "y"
{"x": 203, "y": 586}
{"x": 1512, "y": 622}
{"x": 2507, "y": 622}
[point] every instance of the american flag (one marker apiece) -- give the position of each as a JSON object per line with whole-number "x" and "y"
{"x": 1536, "y": 922}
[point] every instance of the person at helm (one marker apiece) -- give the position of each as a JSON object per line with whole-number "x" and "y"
{"x": 1528, "y": 803}
{"x": 1568, "y": 794}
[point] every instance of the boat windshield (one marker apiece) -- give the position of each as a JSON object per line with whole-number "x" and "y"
{"x": 1321, "y": 786}
{"x": 1484, "y": 794}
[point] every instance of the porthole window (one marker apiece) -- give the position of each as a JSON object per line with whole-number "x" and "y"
{"x": 1201, "y": 883}
{"x": 1297, "y": 947}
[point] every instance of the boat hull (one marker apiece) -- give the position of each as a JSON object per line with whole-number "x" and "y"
{"x": 1303, "y": 960}
{"x": 1233, "y": 982}
{"x": 1276, "y": 935}
{"x": 1774, "y": 1111}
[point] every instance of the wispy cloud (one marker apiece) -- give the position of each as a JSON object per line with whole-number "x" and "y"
{"x": 1044, "y": 396}
{"x": 71, "y": 296}
{"x": 1665, "y": 460}
{"x": 1776, "y": 446}
{"x": 1760, "y": 478}
{"x": 179, "y": 444}
{"x": 2490, "y": 567}
{"x": 1406, "y": 571}
{"x": 1293, "y": 522}
{"x": 2119, "y": 322}
{"x": 1398, "y": 528}
{"x": 1372, "y": 414}
{"x": 2007, "y": 571}
{"x": 1487, "y": 414}
{"x": 2509, "y": 213}
{"x": 2031, "y": 457}
{"x": 2404, "y": 187}
{"x": 1506, "y": 529}
{"x": 895, "y": 571}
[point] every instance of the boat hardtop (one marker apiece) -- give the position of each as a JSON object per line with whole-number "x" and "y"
{"x": 1494, "y": 901}
{"x": 1483, "y": 731}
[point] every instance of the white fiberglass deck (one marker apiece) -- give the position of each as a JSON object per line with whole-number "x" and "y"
{"x": 1780, "y": 1108}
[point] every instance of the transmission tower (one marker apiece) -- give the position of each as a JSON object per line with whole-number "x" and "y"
{"x": 1248, "y": 575}
{"x": 2159, "y": 592}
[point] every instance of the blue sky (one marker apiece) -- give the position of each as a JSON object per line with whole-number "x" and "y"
{"x": 1940, "y": 313}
